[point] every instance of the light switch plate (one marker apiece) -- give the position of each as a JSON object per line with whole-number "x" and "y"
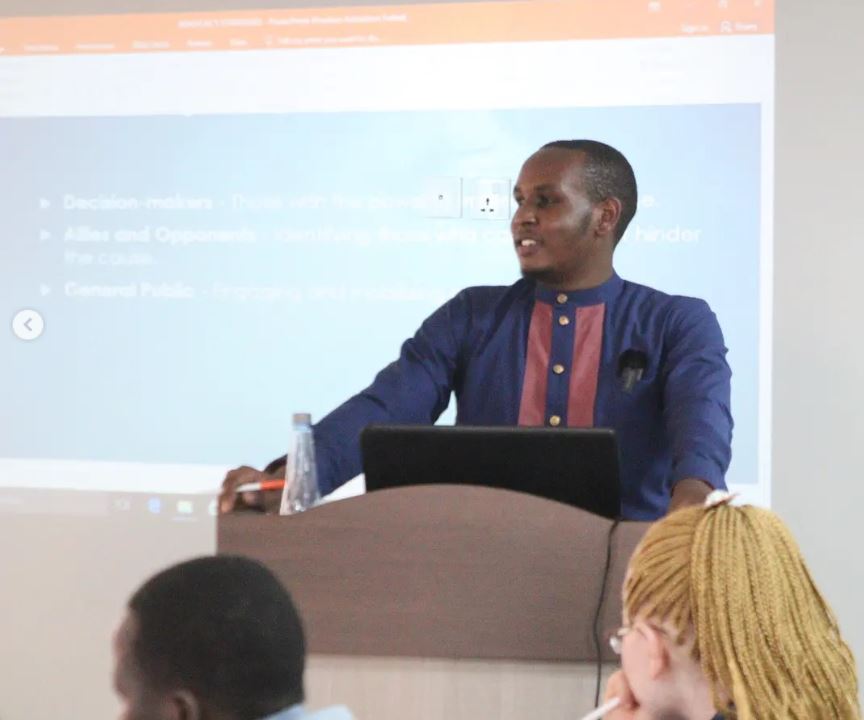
{"x": 443, "y": 197}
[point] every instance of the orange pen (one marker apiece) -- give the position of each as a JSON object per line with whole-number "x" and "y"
{"x": 265, "y": 485}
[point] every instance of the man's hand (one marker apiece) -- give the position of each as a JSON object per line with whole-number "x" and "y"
{"x": 262, "y": 501}
{"x": 690, "y": 491}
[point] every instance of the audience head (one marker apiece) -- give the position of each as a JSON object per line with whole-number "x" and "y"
{"x": 719, "y": 608}
{"x": 216, "y": 638}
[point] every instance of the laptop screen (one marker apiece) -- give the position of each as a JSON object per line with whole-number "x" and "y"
{"x": 576, "y": 466}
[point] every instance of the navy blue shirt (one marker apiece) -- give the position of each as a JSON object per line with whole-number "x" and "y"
{"x": 528, "y": 355}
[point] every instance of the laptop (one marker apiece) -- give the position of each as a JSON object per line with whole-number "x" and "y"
{"x": 576, "y": 466}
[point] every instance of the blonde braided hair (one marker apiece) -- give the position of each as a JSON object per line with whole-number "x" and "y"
{"x": 765, "y": 638}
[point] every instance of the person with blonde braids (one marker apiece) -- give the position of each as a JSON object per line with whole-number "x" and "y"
{"x": 722, "y": 616}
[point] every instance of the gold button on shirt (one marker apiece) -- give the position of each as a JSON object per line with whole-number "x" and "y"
{"x": 557, "y": 369}
{"x": 555, "y": 421}
{"x": 563, "y": 320}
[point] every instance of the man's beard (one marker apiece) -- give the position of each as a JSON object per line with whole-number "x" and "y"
{"x": 550, "y": 276}
{"x": 546, "y": 276}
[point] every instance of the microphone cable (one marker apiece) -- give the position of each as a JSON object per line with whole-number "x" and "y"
{"x": 601, "y": 601}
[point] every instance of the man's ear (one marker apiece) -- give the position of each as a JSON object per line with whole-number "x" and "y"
{"x": 609, "y": 215}
{"x": 183, "y": 705}
{"x": 658, "y": 652}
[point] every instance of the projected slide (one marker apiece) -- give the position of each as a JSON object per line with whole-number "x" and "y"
{"x": 200, "y": 278}
{"x": 211, "y": 220}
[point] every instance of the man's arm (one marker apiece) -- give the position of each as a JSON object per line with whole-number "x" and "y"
{"x": 696, "y": 403}
{"x": 415, "y": 388}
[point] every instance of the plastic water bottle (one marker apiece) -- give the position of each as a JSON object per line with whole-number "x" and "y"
{"x": 301, "y": 476}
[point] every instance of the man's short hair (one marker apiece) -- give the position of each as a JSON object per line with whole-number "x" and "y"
{"x": 223, "y": 628}
{"x": 606, "y": 173}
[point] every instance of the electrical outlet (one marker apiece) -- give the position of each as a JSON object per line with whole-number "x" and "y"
{"x": 489, "y": 199}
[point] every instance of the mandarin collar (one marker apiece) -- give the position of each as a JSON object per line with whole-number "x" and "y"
{"x": 590, "y": 296}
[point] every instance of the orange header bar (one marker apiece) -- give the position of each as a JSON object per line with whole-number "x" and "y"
{"x": 481, "y": 22}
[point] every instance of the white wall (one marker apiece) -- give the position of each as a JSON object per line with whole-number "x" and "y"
{"x": 64, "y": 583}
{"x": 818, "y": 446}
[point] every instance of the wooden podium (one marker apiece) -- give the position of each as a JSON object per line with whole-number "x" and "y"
{"x": 446, "y": 601}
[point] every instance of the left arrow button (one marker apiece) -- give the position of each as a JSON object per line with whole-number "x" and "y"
{"x": 28, "y": 324}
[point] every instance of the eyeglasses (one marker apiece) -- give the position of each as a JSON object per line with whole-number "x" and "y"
{"x": 616, "y": 639}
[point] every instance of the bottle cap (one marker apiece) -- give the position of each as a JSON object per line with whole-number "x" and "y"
{"x": 301, "y": 418}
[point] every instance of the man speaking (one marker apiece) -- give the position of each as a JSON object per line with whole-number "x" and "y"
{"x": 571, "y": 344}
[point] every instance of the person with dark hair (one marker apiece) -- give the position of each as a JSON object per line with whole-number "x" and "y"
{"x": 606, "y": 173}
{"x": 570, "y": 344}
{"x": 216, "y": 638}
